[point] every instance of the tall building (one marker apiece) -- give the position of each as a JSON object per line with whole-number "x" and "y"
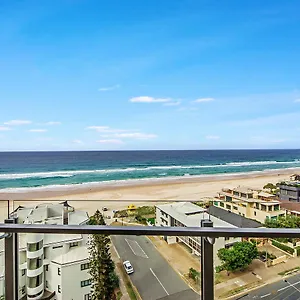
{"x": 52, "y": 266}
{"x": 186, "y": 214}
{"x": 290, "y": 191}
{"x": 249, "y": 203}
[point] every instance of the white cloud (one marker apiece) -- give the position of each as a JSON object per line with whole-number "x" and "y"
{"x": 17, "y": 122}
{"x": 203, "y": 100}
{"x": 174, "y": 103}
{"x": 105, "y": 129}
{"x": 109, "y": 88}
{"x": 37, "y": 130}
{"x": 136, "y": 135}
{"x": 110, "y": 141}
{"x": 4, "y": 128}
{"x": 147, "y": 99}
{"x": 77, "y": 141}
{"x": 212, "y": 137}
{"x": 297, "y": 100}
{"x": 52, "y": 123}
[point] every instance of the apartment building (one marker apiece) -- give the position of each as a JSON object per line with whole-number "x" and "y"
{"x": 52, "y": 266}
{"x": 184, "y": 214}
{"x": 290, "y": 191}
{"x": 249, "y": 203}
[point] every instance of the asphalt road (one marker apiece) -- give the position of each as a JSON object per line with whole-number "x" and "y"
{"x": 281, "y": 290}
{"x": 153, "y": 277}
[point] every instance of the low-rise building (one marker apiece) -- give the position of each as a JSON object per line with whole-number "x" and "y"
{"x": 186, "y": 214}
{"x": 290, "y": 191}
{"x": 52, "y": 266}
{"x": 249, "y": 203}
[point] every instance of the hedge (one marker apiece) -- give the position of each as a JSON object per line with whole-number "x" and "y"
{"x": 298, "y": 250}
{"x": 283, "y": 247}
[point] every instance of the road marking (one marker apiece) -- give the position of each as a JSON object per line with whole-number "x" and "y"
{"x": 266, "y": 295}
{"x": 292, "y": 285}
{"x": 116, "y": 251}
{"x": 142, "y": 249}
{"x": 159, "y": 282}
{"x": 130, "y": 247}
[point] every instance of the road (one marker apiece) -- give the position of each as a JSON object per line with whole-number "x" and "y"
{"x": 281, "y": 290}
{"x": 153, "y": 277}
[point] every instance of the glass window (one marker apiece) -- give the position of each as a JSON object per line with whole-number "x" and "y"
{"x": 58, "y": 271}
{"x": 58, "y": 289}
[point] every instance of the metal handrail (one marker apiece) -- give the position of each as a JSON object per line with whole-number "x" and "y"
{"x": 152, "y": 230}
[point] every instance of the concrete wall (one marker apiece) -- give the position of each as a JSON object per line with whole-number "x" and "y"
{"x": 279, "y": 260}
{"x": 71, "y": 289}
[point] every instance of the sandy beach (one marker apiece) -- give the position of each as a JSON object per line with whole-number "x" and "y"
{"x": 121, "y": 195}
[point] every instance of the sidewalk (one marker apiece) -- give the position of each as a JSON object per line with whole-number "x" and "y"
{"x": 256, "y": 276}
{"x": 123, "y": 289}
{"x": 179, "y": 259}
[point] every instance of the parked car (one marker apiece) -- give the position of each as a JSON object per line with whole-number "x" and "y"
{"x": 128, "y": 267}
{"x": 104, "y": 208}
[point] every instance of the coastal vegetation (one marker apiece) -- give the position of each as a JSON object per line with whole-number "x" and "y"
{"x": 102, "y": 268}
{"x": 238, "y": 257}
{"x": 142, "y": 214}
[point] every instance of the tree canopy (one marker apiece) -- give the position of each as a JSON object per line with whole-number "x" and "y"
{"x": 287, "y": 221}
{"x": 238, "y": 257}
{"x": 104, "y": 279}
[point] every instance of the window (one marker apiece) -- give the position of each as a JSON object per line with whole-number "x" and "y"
{"x": 87, "y": 297}
{"x": 227, "y": 238}
{"x": 74, "y": 244}
{"x": 58, "y": 289}
{"x": 23, "y": 272}
{"x": 59, "y": 246}
{"x": 46, "y": 268}
{"x": 221, "y": 204}
{"x": 23, "y": 289}
{"x": 255, "y": 213}
{"x": 228, "y": 206}
{"x": 216, "y": 203}
{"x": 85, "y": 266}
{"x": 47, "y": 285}
{"x": 86, "y": 282}
{"x": 58, "y": 271}
{"x": 235, "y": 207}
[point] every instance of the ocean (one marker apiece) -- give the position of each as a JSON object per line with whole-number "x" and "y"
{"x": 27, "y": 170}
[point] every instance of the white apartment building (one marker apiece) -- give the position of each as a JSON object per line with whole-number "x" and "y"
{"x": 186, "y": 214}
{"x": 51, "y": 266}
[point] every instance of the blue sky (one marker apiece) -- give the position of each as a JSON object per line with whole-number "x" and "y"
{"x": 113, "y": 75}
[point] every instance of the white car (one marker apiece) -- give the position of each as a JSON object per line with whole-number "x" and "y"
{"x": 128, "y": 267}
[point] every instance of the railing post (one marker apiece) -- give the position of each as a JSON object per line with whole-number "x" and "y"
{"x": 207, "y": 264}
{"x": 11, "y": 263}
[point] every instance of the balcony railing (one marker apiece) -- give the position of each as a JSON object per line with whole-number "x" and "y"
{"x": 207, "y": 233}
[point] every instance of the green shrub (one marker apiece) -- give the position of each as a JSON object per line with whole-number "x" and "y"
{"x": 298, "y": 250}
{"x": 283, "y": 247}
{"x": 194, "y": 274}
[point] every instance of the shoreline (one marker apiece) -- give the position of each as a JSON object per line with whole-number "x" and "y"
{"x": 138, "y": 185}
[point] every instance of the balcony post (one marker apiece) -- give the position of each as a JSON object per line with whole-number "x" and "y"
{"x": 207, "y": 264}
{"x": 11, "y": 278}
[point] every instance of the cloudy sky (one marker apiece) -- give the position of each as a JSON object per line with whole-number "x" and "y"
{"x": 151, "y": 74}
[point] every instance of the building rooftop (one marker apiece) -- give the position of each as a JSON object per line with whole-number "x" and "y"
{"x": 74, "y": 255}
{"x": 191, "y": 214}
{"x": 232, "y": 218}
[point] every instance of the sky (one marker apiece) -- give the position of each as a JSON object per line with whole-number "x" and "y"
{"x": 151, "y": 74}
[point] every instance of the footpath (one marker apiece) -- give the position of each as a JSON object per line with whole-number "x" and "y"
{"x": 256, "y": 276}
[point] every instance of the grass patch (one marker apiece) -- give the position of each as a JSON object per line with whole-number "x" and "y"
{"x": 240, "y": 289}
{"x": 119, "y": 295}
{"x": 130, "y": 289}
{"x": 289, "y": 271}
